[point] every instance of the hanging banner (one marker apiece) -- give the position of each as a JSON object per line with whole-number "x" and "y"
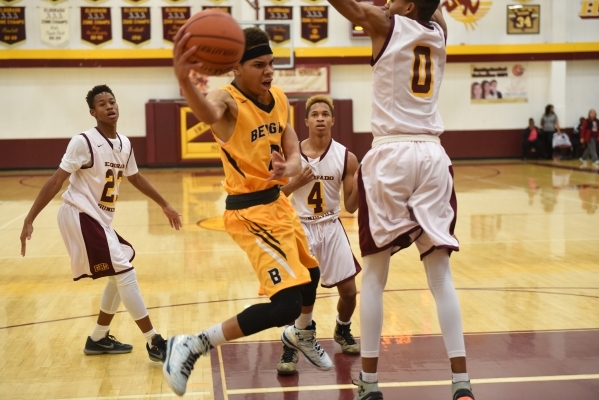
{"x": 279, "y": 1}
{"x": 217, "y": 1}
{"x": 136, "y": 2}
{"x": 315, "y": 23}
{"x": 12, "y": 25}
{"x": 137, "y": 26}
{"x": 172, "y": 19}
{"x": 96, "y": 25}
{"x": 226, "y": 9}
{"x": 55, "y": 2}
{"x": 498, "y": 83}
{"x": 54, "y": 25}
{"x": 357, "y": 32}
{"x": 278, "y": 33}
{"x": 95, "y": 2}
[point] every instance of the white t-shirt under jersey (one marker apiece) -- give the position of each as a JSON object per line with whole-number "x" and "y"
{"x": 320, "y": 199}
{"x": 97, "y": 165}
{"x": 407, "y": 76}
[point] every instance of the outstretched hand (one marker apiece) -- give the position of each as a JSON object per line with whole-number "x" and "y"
{"x": 181, "y": 57}
{"x": 173, "y": 216}
{"x": 25, "y": 235}
{"x": 279, "y": 166}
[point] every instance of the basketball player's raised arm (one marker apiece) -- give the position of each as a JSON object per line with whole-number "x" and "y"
{"x": 371, "y": 18}
{"x": 290, "y": 165}
{"x": 438, "y": 18}
{"x": 209, "y": 109}
{"x": 46, "y": 194}
{"x": 350, "y": 190}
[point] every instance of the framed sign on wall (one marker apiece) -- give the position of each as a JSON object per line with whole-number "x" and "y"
{"x": 523, "y": 19}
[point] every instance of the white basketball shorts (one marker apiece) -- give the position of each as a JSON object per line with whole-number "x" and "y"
{"x": 405, "y": 195}
{"x": 330, "y": 245}
{"x": 96, "y": 250}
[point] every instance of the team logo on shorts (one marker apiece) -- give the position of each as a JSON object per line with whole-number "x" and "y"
{"x": 275, "y": 276}
{"x": 467, "y": 12}
{"x": 101, "y": 267}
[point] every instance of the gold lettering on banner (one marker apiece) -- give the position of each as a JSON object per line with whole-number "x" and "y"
{"x": 101, "y": 267}
{"x": 589, "y": 9}
{"x": 315, "y": 23}
{"x": 12, "y": 25}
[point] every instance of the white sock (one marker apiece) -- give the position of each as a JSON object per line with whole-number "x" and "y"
{"x": 215, "y": 335}
{"x": 149, "y": 335}
{"x": 343, "y": 323}
{"x": 460, "y": 378}
{"x": 369, "y": 377}
{"x": 99, "y": 332}
{"x": 303, "y": 321}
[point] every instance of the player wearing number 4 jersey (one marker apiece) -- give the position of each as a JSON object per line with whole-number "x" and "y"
{"x": 405, "y": 181}
{"x": 96, "y": 161}
{"x": 315, "y": 195}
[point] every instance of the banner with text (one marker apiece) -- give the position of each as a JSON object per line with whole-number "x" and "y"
{"x": 12, "y": 25}
{"x": 137, "y": 25}
{"x": 505, "y": 83}
{"x": 54, "y": 25}
{"x": 315, "y": 23}
{"x": 172, "y": 19}
{"x": 278, "y": 33}
{"x": 96, "y": 25}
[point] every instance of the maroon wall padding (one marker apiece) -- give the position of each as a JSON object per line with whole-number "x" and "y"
{"x": 483, "y": 144}
{"x": 162, "y": 133}
{"x": 47, "y": 153}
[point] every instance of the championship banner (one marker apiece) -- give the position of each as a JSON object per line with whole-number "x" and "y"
{"x": 226, "y": 9}
{"x": 12, "y": 25}
{"x": 279, "y": 1}
{"x": 315, "y": 23}
{"x": 54, "y": 25}
{"x": 278, "y": 33}
{"x": 172, "y": 19}
{"x": 136, "y": 2}
{"x": 137, "y": 24}
{"x": 55, "y": 2}
{"x": 498, "y": 84}
{"x": 96, "y": 25}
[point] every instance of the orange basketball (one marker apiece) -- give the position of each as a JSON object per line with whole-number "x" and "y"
{"x": 219, "y": 39}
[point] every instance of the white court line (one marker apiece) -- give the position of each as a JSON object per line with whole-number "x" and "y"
{"x": 12, "y": 220}
{"x": 134, "y": 396}
{"x": 417, "y": 383}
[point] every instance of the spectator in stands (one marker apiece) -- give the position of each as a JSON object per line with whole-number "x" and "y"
{"x": 549, "y": 125}
{"x": 588, "y": 135}
{"x": 576, "y": 144}
{"x": 562, "y": 147}
{"x": 530, "y": 140}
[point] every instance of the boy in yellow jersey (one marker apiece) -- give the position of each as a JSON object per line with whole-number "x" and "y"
{"x": 250, "y": 121}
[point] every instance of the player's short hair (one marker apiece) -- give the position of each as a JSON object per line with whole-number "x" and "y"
{"x": 96, "y": 90}
{"x": 320, "y": 99}
{"x": 255, "y": 36}
{"x": 426, "y": 8}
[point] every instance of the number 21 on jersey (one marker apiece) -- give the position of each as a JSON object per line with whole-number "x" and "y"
{"x": 316, "y": 198}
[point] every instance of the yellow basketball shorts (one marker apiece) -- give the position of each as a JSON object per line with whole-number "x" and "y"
{"x": 275, "y": 242}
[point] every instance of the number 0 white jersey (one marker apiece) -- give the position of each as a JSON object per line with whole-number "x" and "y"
{"x": 319, "y": 200}
{"x": 407, "y": 76}
{"x": 94, "y": 189}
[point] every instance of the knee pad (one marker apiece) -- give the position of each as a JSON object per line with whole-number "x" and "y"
{"x": 309, "y": 289}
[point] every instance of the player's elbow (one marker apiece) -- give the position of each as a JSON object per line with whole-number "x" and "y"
{"x": 351, "y": 207}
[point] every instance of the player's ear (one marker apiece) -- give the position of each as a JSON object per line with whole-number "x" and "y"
{"x": 236, "y": 69}
{"x": 306, "y": 121}
{"x": 92, "y": 112}
{"x": 332, "y": 121}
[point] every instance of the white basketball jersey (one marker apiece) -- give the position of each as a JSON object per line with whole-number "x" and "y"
{"x": 319, "y": 200}
{"x": 94, "y": 189}
{"x": 407, "y": 76}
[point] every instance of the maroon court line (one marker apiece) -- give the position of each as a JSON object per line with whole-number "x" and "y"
{"x": 522, "y": 290}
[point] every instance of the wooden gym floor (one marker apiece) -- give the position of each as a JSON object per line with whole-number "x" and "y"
{"x": 526, "y": 274}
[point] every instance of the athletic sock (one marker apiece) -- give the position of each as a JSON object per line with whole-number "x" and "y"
{"x": 460, "y": 378}
{"x": 341, "y": 322}
{"x": 303, "y": 321}
{"x": 215, "y": 335}
{"x": 99, "y": 332}
{"x": 149, "y": 335}
{"x": 369, "y": 377}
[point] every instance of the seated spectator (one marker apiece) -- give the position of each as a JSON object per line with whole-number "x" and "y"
{"x": 562, "y": 147}
{"x": 531, "y": 140}
{"x": 576, "y": 138}
{"x": 589, "y": 134}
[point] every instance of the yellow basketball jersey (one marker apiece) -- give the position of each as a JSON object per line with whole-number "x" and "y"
{"x": 246, "y": 155}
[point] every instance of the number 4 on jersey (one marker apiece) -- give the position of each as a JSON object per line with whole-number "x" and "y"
{"x": 315, "y": 199}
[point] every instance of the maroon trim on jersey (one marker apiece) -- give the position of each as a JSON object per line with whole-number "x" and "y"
{"x": 367, "y": 245}
{"x": 326, "y": 150}
{"x": 387, "y": 40}
{"x": 128, "y": 158}
{"x": 345, "y": 164}
{"x": 126, "y": 243}
{"x": 96, "y": 246}
{"x": 426, "y": 24}
{"x": 357, "y": 266}
{"x": 301, "y": 152}
{"x": 120, "y": 142}
{"x": 105, "y": 137}
{"x": 449, "y": 248}
{"x": 90, "y": 151}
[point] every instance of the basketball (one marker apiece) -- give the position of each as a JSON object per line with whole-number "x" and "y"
{"x": 219, "y": 39}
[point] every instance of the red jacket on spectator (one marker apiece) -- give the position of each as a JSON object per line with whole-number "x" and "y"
{"x": 590, "y": 128}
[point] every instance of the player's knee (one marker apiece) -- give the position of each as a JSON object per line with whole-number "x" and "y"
{"x": 309, "y": 289}
{"x": 347, "y": 291}
{"x": 287, "y": 306}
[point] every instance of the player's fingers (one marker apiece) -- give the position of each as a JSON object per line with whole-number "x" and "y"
{"x": 180, "y": 33}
